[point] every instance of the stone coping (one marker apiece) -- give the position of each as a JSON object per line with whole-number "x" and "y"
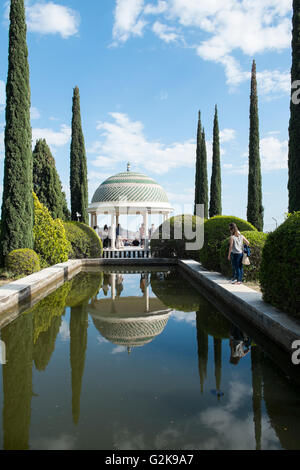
{"x": 276, "y": 325}
{"x": 246, "y": 302}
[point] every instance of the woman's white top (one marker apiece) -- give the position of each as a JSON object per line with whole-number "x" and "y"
{"x": 238, "y": 244}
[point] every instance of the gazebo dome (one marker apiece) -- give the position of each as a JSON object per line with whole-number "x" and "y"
{"x": 132, "y": 187}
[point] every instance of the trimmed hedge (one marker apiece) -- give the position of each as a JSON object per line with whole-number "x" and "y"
{"x": 169, "y": 248}
{"x": 50, "y": 241}
{"x": 85, "y": 243}
{"x": 216, "y": 230}
{"x": 257, "y": 242}
{"x": 280, "y": 267}
{"x": 23, "y": 262}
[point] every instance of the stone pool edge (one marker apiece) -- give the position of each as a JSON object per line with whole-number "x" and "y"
{"x": 276, "y": 325}
{"x": 31, "y": 289}
{"x": 248, "y": 303}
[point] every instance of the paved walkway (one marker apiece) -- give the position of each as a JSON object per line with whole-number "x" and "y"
{"x": 277, "y": 325}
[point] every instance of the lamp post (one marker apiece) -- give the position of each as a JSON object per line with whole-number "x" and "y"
{"x": 275, "y": 221}
{"x": 78, "y": 216}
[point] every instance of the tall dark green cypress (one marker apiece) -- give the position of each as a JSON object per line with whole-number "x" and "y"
{"x": 78, "y": 165}
{"x": 198, "y": 153}
{"x": 215, "y": 207}
{"x": 294, "y": 128}
{"x": 46, "y": 181}
{"x": 255, "y": 211}
{"x": 203, "y": 178}
{"x": 17, "y": 204}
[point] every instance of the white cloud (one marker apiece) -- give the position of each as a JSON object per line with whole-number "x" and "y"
{"x": 34, "y": 113}
{"x": 164, "y": 32}
{"x": 227, "y": 135}
{"x": 53, "y": 138}
{"x": 50, "y": 18}
{"x": 274, "y": 154}
{"x": 247, "y": 26}
{"x": 151, "y": 9}
{"x": 127, "y": 20}
{"x": 124, "y": 140}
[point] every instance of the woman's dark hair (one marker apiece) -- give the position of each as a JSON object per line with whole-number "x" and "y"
{"x": 105, "y": 227}
{"x": 233, "y": 228}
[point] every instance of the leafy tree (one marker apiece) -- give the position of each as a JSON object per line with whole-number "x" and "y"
{"x": 255, "y": 211}
{"x": 216, "y": 183}
{"x": 294, "y": 128}
{"x": 17, "y": 206}
{"x": 78, "y": 165}
{"x": 46, "y": 182}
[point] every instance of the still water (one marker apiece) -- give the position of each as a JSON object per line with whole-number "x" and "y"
{"x": 129, "y": 361}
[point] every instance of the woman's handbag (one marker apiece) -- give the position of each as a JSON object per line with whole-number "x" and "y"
{"x": 246, "y": 261}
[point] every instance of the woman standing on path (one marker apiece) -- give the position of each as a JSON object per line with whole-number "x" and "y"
{"x": 236, "y": 251}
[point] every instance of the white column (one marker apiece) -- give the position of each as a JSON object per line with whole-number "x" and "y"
{"x": 146, "y": 226}
{"x": 113, "y": 232}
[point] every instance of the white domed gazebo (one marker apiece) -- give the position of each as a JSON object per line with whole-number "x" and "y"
{"x": 129, "y": 193}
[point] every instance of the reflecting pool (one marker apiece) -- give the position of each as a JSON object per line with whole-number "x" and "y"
{"x": 121, "y": 360}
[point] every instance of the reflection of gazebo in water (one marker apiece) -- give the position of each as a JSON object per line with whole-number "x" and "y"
{"x": 129, "y": 321}
{"x": 129, "y": 193}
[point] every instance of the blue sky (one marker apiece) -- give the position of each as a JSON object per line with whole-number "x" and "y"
{"x": 144, "y": 68}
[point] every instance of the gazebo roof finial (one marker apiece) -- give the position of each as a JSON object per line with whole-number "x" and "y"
{"x": 128, "y": 166}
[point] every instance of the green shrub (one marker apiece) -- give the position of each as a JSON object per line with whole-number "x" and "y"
{"x": 23, "y": 262}
{"x": 257, "y": 242}
{"x": 168, "y": 248}
{"x": 50, "y": 240}
{"x": 216, "y": 230}
{"x": 85, "y": 243}
{"x": 280, "y": 267}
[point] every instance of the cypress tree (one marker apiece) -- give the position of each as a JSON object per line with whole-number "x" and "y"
{"x": 203, "y": 178}
{"x": 198, "y": 153}
{"x": 294, "y": 128}
{"x": 255, "y": 211}
{"x": 78, "y": 165}
{"x": 46, "y": 182}
{"x": 17, "y": 204}
{"x": 215, "y": 207}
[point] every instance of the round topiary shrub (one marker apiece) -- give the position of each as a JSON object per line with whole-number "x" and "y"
{"x": 23, "y": 262}
{"x": 169, "y": 240}
{"x": 216, "y": 230}
{"x": 50, "y": 240}
{"x": 257, "y": 242}
{"x": 280, "y": 266}
{"x": 85, "y": 243}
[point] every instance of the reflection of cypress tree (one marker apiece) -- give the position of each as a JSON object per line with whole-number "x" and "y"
{"x": 17, "y": 383}
{"x": 202, "y": 340}
{"x": 256, "y": 361}
{"x": 45, "y": 344}
{"x": 218, "y": 362}
{"x": 78, "y": 344}
{"x": 283, "y": 405}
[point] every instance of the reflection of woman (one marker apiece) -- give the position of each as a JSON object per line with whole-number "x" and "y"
{"x": 239, "y": 345}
